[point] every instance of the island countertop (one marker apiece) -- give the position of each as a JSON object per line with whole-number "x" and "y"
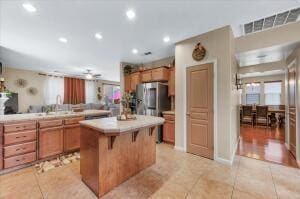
{"x": 113, "y": 126}
{"x": 44, "y": 116}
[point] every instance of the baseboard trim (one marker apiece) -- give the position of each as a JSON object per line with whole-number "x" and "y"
{"x": 179, "y": 148}
{"x": 228, "y": 162}
{"x": 223, "y": 161}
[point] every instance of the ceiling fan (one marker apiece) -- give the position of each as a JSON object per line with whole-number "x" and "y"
{"x": 89, "y": 75}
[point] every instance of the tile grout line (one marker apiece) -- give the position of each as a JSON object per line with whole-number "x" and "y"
{"x": 273, "y": 181}
{"x": 37, "y": 181}
{"x": 238, "y": 167}
{"x": 193, "y": 186}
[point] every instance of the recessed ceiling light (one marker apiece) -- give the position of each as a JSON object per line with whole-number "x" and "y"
{"x": 135, "y": 51}
{"x": 29, "y": 7}
{"x": 130, "y": 14}
{"x": 63, "y": 40}
{"x": 98, "y": 36}
{"x": 166, "y": 39}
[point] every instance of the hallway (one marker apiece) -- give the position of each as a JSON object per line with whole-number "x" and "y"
{"x": 265, "y": 144}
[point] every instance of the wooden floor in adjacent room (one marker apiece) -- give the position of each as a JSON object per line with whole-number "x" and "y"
{"x": 265, "y": 143}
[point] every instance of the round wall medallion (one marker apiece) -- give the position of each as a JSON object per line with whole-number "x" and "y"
{"x": 199, "y": 52}
{"x": 32, "y": 91}
{"x": 21, "y": 83}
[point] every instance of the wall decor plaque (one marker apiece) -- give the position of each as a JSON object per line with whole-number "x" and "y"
{"x": 199, "y": 52}
{"x": 21, "y": 83}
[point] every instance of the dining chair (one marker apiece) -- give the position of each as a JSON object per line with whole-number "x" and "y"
{"x": 247, "y": 116}
{"x": 261, "y": 117}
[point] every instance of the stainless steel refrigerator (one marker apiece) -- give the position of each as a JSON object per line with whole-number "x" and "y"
{"x": 152, "y": 99}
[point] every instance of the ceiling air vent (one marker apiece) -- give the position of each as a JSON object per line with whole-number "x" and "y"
{"x": 148, "y": 53}
{"x": 272, "y": 21}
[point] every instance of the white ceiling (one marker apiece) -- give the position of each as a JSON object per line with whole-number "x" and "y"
{"x": 265, "y": 55}
{"x": 30, "y": 40}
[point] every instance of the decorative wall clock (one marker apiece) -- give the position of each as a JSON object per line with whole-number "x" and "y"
{"x": 32, "y": 91}
{"x": 199, "y": 52}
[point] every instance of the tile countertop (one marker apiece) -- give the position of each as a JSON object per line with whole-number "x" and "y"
{"x": 111, "y": 125}
{"x": 43, "y": 116}
{"x": 168, "y": 112}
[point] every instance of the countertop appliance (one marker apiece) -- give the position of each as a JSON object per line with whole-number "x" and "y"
{"x": 152, "y": 99}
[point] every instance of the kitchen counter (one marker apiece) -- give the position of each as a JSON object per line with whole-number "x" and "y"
{"x": 168, "y": 112}
{"x": 44, "y": 116}
{"x": 112, "y": 125}
{"x": 113, "y": 151}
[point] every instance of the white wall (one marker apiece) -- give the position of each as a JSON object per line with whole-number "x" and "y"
{"x": 218, "y": 46}
{"x": 263, "y": 79}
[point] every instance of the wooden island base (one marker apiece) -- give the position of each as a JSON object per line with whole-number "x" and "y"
{"x": 109, "y": 160}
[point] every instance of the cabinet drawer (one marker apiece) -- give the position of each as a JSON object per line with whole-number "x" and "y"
{"x": 50, "y": 123}
{"x": 19, "y": 149}
{"x": 20, "y": 159}
{"x": 146, "y": 76}
{"x": 12, "y": 138}
{"x": 74, "y": 120}
{"x": 169, "y": 117}
{"x": 19, "y": 127}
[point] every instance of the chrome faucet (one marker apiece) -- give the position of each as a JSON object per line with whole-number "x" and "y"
{"x": 58, "y": 102}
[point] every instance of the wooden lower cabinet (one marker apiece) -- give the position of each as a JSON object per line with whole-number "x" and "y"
{"x": 169, "y": 129}
{"x": 71, "y": 137}
{"x": 50, "y": 141}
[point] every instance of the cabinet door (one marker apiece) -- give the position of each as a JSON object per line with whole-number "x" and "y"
{"x": 72, "y": 137}
{"x": 169, "y": 132}
{"x": 50, "y": 141}
{"x": 127, "y": 79}
{"x": 135, "y": 80}
{"x": 146, "y": 76}
{"x": 171, "y": 82}
{"x": 160, "y": 74}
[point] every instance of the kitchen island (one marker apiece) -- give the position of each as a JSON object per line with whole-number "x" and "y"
{"x": 112, "y": 151}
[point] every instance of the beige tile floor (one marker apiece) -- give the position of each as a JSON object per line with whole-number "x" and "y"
{"x": 175, "y": 175}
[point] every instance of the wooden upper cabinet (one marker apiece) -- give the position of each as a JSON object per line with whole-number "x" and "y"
{"x": 157, "y": 74}
{"x": 146, "y": 76}
{"x": 171, "y": 82}
{"x": 127, "y": 85}
{"x": 134, "y": 80}
{"x": 160, "y": 74}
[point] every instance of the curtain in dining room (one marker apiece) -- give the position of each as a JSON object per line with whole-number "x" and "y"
{"x": 74, "y": 92}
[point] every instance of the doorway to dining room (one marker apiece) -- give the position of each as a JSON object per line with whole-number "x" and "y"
{"x": 262, "y": 123}
{"x": 268, "y": 107}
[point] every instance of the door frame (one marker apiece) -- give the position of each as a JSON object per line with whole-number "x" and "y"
{"x": 287, "y": 130}
{"x": 215, "y": 109}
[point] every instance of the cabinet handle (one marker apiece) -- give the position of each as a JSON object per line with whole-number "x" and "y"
{"x": 24, "y": 136}
{"x": 17, "y": 137}
{"x": 18, "y": 149}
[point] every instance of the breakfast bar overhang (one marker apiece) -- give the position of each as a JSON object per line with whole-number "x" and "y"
{"x": 112, "y": 151}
